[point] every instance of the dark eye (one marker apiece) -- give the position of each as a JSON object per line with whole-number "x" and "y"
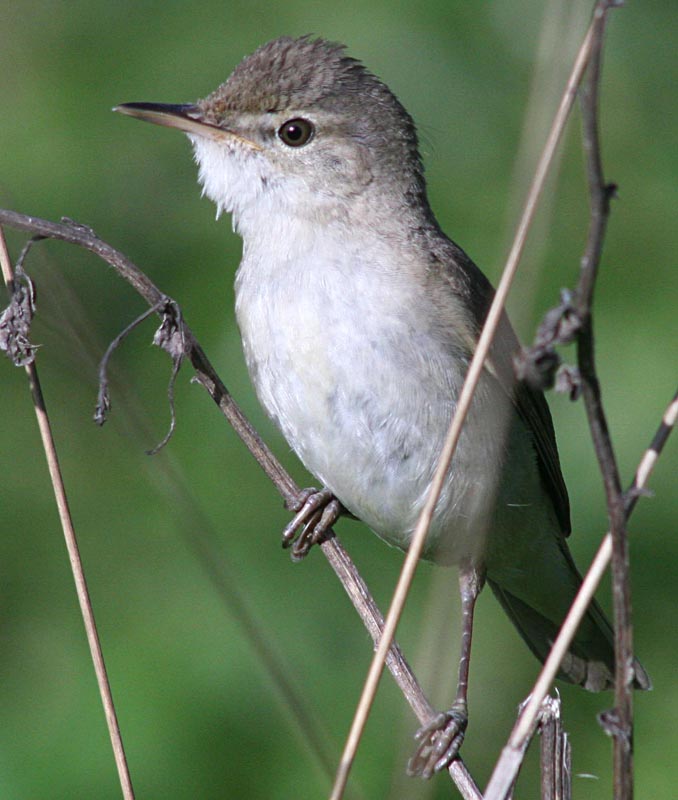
{"x": 296, "y": 132}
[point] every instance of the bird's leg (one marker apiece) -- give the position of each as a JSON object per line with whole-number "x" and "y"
{"x": 440, "y": 740}
{"x": 316, "y": 511}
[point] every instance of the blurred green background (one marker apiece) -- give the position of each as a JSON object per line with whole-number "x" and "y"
{"x": 199, "y": 713}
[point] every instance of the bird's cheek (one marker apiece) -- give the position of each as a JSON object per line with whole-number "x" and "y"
{"x": 347, "y": 171}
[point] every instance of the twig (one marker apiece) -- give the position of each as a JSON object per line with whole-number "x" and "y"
{"x": 600, "y": 193}
{"x": 103, "y": 400}
{"x": 472, "y": 377}
{"x": 573, "y": 321}
{"x": 73, "y": 553}
{"x": 338, "y": 558}
{"x": 168, "y": 337}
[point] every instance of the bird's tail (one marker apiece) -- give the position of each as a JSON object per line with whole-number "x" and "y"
{"x": 590, "y": 659}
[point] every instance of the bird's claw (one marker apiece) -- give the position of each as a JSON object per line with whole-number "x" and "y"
{"x": 439, "y": 743}
{"x": 316, "y": 511}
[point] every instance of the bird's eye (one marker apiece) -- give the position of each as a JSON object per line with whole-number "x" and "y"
{"x": 296, "y": 132}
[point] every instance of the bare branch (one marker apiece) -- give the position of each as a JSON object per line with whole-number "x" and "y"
{"x": 572, "y": 320}
{"x": 600, "y": 194}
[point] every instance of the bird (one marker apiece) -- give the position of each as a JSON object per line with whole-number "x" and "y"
{"x": 359, "y": 318}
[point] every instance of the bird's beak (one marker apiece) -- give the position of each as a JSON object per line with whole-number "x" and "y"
{"x": 188, "y": 118}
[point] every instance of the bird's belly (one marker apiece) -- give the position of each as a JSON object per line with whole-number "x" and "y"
{"x": 362, "y": 442}
{"x": 366, "y": 405}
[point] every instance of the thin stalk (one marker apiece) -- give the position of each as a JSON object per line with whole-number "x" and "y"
{"x": 73, "y": 554}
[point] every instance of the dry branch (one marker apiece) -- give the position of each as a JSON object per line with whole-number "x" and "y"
{"x": 600, "y": 194}
{"x": 574, "y": 320}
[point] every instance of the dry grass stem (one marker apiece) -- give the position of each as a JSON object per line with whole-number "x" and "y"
{"x": 555, "y": 753}
{"x": 73, "y": 554}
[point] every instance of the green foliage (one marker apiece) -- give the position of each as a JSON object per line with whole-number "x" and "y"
{"x": 199, "y": 715}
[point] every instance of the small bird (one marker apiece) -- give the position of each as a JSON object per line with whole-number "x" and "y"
{"x": 359, "y": 318}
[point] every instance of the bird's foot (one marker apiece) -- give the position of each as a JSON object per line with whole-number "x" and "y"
{"x": 316, "y": 512}
{"x": 439, "y": 743}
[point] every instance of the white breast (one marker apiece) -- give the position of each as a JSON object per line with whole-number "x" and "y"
{"x": 342, "y": 358}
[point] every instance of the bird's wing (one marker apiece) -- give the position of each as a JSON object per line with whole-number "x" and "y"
{"x": 530, "y": 404}
{"x": 533, "y": 410}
